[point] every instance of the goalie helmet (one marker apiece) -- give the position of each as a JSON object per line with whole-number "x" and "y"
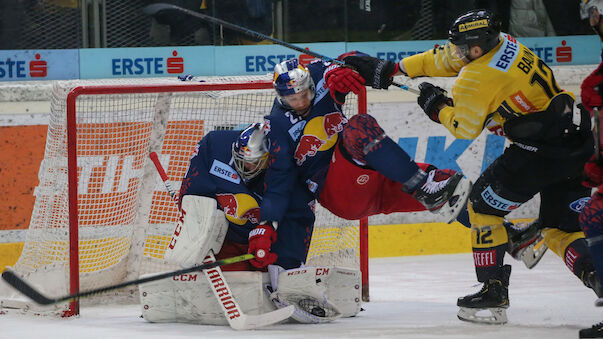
{"x": 292, "y": 78}
{"x": 475, "y": 28}
{"x": 250, "y": 152}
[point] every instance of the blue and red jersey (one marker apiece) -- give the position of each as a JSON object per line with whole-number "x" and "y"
{"x": 301, "y": 148}
{"x": 211, "y": 174}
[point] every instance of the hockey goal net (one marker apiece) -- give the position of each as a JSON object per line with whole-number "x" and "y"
{"x": 101, "y": 213}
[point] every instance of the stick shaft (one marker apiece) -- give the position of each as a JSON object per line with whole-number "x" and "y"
{"x": 155, "y": 8}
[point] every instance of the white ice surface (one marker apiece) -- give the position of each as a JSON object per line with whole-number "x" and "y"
{"x": 411, "y": 297}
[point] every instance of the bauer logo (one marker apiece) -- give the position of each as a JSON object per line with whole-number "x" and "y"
{"x": 222, "y": 170}
{"x": 578, "y": 205}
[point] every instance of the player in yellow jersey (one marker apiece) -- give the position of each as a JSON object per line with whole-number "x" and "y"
{"x": 502, "y": 86}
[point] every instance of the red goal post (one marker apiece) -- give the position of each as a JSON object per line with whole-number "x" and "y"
{"x": 101, "y": 214}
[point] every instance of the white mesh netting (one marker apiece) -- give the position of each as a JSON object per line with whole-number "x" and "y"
{"x": 125, "y": 216}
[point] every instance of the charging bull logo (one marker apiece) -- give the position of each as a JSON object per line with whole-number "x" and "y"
{"x": 239, "y": 208}
{"x": 320, "y": 134}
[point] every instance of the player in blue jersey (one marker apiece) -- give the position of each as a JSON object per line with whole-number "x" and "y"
{"x": 229, "y": 166}
{"x": 352, "y": 167}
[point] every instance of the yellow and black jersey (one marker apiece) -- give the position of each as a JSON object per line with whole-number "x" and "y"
{"x": 506, "y": 82}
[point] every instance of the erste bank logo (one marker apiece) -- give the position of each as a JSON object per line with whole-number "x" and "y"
{"x": 148, "y": 65}
{"x": 17, "y": 68}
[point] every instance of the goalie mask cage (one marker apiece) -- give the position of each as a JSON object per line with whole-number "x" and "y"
{"x": 102, "y": 214}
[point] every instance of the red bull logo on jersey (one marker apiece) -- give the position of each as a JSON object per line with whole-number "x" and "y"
{"x": 239, "y": 208}
{"x": 319, "y": 134}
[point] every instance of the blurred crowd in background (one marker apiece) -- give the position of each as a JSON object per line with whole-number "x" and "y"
{"x": 65, "y": 24}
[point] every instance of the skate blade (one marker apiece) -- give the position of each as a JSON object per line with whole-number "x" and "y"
{"x": 498, "y": 315}
{"x": 455, "y": 204}
{"x": 531, "y": 255}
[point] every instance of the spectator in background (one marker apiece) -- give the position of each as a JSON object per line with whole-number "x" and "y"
{"x": 529, "y": 18}
{"x": 170, "y": 28}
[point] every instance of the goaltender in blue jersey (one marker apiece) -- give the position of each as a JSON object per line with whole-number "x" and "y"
{"x": 213, "y": 173}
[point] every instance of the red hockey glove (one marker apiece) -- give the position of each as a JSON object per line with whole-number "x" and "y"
{"x": 594, "y": 173}
{"x": 341, "y": 80}
{"x": 431, "y": 98}
{"x": 592, "y": 89}
{"x": 260, "y": 240}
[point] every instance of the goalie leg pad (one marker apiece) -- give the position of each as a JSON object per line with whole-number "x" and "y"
{"x": 201, "y": 227}
{"x": 188, "y": 298}
{"x": 320, "y": 294}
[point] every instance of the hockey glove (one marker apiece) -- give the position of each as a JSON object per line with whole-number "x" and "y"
{"x": 260, "y": 240}
{"x": 341, "y": 80}
{"x": 431, "y": 98}
{"x": 378, "y": 73}
{"x": 592, "y": 89}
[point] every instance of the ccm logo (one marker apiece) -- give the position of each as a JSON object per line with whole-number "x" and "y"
{"x": 185, "y": 277}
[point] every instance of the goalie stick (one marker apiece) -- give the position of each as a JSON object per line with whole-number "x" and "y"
{"x": 22, "y": 286}
{"x": 153, "y": 9}
{"x": 232, "y": 311}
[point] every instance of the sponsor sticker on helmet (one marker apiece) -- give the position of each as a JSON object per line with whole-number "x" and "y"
{"x": 473, "y": 25}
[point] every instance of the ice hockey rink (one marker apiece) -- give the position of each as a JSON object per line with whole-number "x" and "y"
{"x": 411, "y": 297}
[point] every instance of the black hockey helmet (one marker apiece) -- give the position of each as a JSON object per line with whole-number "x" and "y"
{"x": 475, "y": 28}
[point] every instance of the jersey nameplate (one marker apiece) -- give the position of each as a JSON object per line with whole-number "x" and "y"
{"x": 506, "y": 55}
{"x": 222, "y": 170}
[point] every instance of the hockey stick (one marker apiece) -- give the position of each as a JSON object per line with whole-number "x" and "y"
{"x": 232, "y": 311}
{"x": 22, "y": 286}
{"x": 153, "y": 9}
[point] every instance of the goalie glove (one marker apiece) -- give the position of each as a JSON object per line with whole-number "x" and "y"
{"x": 430, "y": 100}
{"x": 341, "y": 80}
{"x": 378, "y": 72}
{"x": 260, "y": 240}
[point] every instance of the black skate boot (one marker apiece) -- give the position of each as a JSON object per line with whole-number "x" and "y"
{"x": 591, "y": 280}
{"x": 526, "y": 242}
{"x": 493, "y": 297}
{"x": 596, "y": 331}
{"x": 445, "y": 192}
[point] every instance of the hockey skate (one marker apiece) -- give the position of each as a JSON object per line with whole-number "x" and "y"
{"x": 591, "y": 280}
{"x": 493, "y": 297}
{"x": 596, "y": 331}
{"x": 445, "y": 192}
{"x": 526, "y": 242}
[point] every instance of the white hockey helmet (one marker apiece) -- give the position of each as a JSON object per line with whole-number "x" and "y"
{"x": 250, "y": 152}
{"x": 291, "y": 78}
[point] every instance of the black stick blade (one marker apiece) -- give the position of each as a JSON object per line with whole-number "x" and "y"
{"x": 19, "y": 284}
